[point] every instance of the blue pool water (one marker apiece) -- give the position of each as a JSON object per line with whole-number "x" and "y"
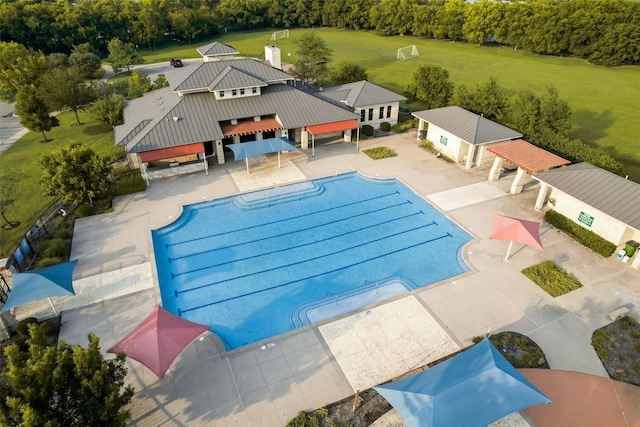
{"x": 260, "y": 264}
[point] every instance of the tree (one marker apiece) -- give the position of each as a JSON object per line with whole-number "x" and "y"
{"x": 33, "y": 112}
{"x": 139, "y": 84}
{"x": 84, "y": 60}
{"x": 489, "y": 100}
{"x": 63, "y": 385}
{"x": 430, "y": 85}
{"x": 57, "y": 60}
{"x": 160, "y": 82}
{"x": 555, "y": 113}
{"x": 109, "y": 109}
{"x": 524, "y": 114}
{"x": 75, "y": 173}
{"x": 349, "y": 72}
{"x": 63, "y": 89}
{"x": 19, "y": 67}
{"x": 7, "y": 193}
{"x": 123, "y": 55}
{"x": 311, "y": 58}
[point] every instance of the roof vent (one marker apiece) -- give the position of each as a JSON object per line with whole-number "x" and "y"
{"x": 176, "y": 118}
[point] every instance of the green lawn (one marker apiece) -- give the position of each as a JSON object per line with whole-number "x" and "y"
{"x": 22, "y": 159}
{"x": 604, "y": 100}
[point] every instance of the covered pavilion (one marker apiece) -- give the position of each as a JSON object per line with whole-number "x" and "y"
{"x": 527, "y": 157}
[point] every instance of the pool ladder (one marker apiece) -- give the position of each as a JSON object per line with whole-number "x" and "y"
{"x": 327, "y": 294}
{"x": 369, "y": 282}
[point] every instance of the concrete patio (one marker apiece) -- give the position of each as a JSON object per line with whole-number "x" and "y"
{"x": 266, "y": 385}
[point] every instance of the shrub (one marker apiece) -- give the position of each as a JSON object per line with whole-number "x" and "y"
{"x": 477, "y": 339}
{"x": 401, "y": 127}
{"x": 638, "y": 348}
{"x": 551, "y": 278}
{"x": 83, "y": 211}
{"x": 48, "y": 262}
{"x": 54, "y": 248}
{"x": 385, "y": 126}
{"x": 636, "y": 368}
{"x": 308, "y": 419}
{"x": 427, "y": 145}
{"x": 64, "y": 234}
{"x": 635, "y": 334}
{"x": 367, "y": 130}
{"x": 598, "y": 341}
{"x": 379, "y": 153}
{"x": 580, "y": 234}
{"x": 130, "y": 182}
{"x": 23, "y": 326}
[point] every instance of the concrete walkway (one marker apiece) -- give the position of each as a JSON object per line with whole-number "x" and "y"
{"x": 266, "y": 385}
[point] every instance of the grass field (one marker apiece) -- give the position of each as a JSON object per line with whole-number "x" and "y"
{"x": 605, "y": 101}
{"x": 22, "y": 160}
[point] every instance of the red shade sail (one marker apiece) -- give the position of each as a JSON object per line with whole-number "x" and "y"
{"x": 332, "y": 127}
{"x": 516, "y": 230}
{"x": 158, "y": 340}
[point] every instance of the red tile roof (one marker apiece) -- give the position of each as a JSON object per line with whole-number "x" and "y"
{"x": 527, "y": 156}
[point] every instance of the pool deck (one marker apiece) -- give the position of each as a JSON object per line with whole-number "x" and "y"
{"x": 116, "y": 286}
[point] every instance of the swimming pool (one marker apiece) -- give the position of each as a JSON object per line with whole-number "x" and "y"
{"x": 257, "y": 265}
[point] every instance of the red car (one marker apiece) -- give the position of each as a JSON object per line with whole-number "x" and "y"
{"x": 175, "y": 62}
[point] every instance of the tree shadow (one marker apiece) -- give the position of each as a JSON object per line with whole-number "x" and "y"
{"x": 99, "y": 129}
{"x": 592, "y": 126}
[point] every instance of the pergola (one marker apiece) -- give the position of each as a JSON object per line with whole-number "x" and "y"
{"x": 527, "y": 157}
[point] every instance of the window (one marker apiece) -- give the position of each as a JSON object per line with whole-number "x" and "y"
{"x": 388, "y": 111}
{"x": 254, "y": 90}
{"x": 362, "y": 113}
{"x": 221, "y": 94}
{"x": 443, "y": 140}
{"x": 234, "y": 92}
{"x": 381, "y": 115}
{"x": 370, "y": 114}
{"x": 241, "y": 91}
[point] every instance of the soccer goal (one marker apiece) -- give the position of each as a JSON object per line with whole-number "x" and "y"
{"x": 408, "y": 52}
{"x": 277, "y": 35}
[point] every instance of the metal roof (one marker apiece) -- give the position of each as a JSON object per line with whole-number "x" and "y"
{"x": 202, "y": 76}
{"x": 364, "y": 93}
{"x": 197, "y": 116}
{"x": 605, "y": 191}
{"x": 468, "y": 126}
{"x": 527, "y": 156}
{"x": 232, "y": 78}
{"x": 216, "y": 49}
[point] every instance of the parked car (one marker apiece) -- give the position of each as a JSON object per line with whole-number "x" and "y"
{"x": 175, "y": 62}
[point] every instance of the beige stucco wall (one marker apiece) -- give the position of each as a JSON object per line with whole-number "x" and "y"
{"x": 604, "y": 225}
{"x": 455, "y": 148}
{"x": 376, "y": 113}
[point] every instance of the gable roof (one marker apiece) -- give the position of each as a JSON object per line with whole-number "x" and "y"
{"x": 199, "y": 116}
{"x": 216, "y": 49}
{"x": 232, "y": 78}
{"x": 363, "y": 93}
{"x": 468, "y": 126}
{"x": 202, "y": 76}
{"x": 527, "y": 156}
{"x": 605, "y": 191}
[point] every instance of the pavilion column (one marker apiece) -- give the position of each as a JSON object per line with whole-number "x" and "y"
{"x": 494, "y": 174}
{"x": 472, "y": 149}
{"x": 220, "y": 152}
{"x": 543, "y": 194}
{"x": 518, "y": 182}
{"x": 347, "y": 135}
{"x": 304, "y": 140}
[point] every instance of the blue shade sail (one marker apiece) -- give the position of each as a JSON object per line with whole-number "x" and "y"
{"x": 254, "y": 148}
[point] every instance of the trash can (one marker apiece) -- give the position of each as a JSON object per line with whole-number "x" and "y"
{"x": 631, "y": 247}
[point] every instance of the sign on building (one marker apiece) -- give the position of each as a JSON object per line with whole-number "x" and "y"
{"x": 585, "y": 218}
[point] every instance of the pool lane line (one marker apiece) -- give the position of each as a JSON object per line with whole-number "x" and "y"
{"x": 281, "y": 220}
{"x": 180, "y": 311}
{"x": 174, "y": 275}
{"x": 299, "y": 230}
{"x": 176, "y": 292}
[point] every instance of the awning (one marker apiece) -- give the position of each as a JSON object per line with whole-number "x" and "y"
{"x": 527, "y": 156}
{"x": 250, "y": 127}
{"x": 332, "y": 127}
{"x": 167, "y": 153}
{"x": 255, "y": 148}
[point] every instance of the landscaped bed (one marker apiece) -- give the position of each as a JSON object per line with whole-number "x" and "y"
{"x": 551, "y": 278}
{"x": 618, "y": 347}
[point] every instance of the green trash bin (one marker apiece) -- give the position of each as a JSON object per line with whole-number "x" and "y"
{"x": 631, "y": 247}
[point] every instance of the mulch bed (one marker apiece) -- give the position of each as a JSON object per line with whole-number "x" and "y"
{"x": 623, "y": 350}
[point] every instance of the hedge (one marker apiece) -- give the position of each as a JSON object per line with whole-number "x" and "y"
{"x": 580, "y": 234}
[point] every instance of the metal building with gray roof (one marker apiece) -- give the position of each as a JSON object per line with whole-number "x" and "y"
{"x": 461, "y": 134}
{"x": 605, "y": 203}
{"x": 230, "y": 100}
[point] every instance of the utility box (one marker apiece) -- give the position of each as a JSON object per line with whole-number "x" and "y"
{"x": 631, "y": 247}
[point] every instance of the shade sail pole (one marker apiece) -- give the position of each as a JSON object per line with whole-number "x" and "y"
{"x": 313, "y": 145}
{"x": 246, "y": 160}
{"x": 508, "y": 251}
{"x": 52, "y": 307}
{"x": 278, "y": 160}
{"x": 358, "y": 139}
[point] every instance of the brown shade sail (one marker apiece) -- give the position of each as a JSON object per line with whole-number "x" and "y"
{"x": 250, "y": 127}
